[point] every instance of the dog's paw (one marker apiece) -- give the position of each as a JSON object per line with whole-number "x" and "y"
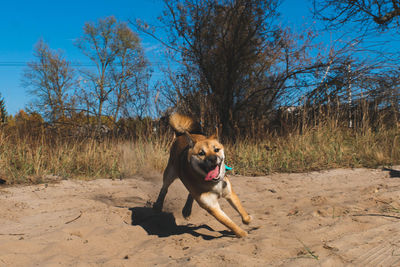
{"x": 247, "y": 219}
{"x": 186, "y": 212}
{"x": 241, "y": 234}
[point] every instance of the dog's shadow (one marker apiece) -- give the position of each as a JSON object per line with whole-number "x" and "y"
{"x": 393, "y": 173}
{"x": 163, "y": 224}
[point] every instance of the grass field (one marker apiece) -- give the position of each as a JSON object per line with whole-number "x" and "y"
{"x": 32, "y": 158}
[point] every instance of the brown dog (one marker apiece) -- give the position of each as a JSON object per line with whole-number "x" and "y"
{"x": 199, "y": 162}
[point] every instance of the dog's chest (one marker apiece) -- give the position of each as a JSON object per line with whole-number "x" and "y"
{"x": 219, "y": 188}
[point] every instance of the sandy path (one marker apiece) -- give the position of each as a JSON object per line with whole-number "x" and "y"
{"x": 330, "y": 218}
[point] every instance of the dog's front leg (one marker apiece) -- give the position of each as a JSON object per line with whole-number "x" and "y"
{"x": 234, "y": 200}
{"x": 209, "y": 202}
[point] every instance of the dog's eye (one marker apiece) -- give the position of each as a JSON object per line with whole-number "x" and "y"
{"x": 216, "y": 150}
{"x": 202, "y": 153}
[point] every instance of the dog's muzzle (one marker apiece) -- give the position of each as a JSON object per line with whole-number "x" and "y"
{"x": 213, "y": 168}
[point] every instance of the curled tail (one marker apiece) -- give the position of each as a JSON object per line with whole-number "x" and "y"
{"x": 181, "y": 124}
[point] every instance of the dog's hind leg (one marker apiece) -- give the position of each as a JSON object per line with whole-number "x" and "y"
{"x": 234, "y": 200}
{"x": 168, "y": 177}
{"x": 187, "y": 209}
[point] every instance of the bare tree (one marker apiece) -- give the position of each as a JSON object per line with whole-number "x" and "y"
{"x": 116, "y": 52}
{"x": 376, "y": 80}
{"x": 50, "y": 79}
{"x": 381, "y": 13}
{"x": 130, "y": 76}
{"x": 224, "y": 48}
{"x": 237, "y": 62}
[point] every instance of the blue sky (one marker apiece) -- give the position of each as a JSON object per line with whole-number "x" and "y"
{"x": 24, "y": 22}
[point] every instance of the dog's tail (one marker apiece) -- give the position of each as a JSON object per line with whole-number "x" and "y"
{"x": 181, "y": 124}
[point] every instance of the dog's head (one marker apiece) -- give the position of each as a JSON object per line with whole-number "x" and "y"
{"x": 206, "y": 157}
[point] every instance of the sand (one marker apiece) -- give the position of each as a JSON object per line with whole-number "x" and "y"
{"x": 330, "y": 218}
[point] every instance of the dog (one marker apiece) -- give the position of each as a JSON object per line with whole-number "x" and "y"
{"x": 199, "y": 162}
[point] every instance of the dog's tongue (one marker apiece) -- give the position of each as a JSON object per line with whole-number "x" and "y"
{"x": 212, "y": 174}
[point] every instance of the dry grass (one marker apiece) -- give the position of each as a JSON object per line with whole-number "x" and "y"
{"x": 143, "y": 155}
{"x": 316, "y": 149}
{"x": 31, "y": 159}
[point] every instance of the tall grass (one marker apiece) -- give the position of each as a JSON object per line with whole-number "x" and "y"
{"x": 34, "y": 158}
{"x": 316, "y": 149}
{"x": 143, "y": 155}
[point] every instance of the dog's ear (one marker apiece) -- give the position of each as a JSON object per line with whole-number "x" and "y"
{"x": 215, "y": 135}
{"x": 189, "y": 139}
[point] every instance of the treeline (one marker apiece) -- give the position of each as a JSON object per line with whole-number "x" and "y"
{"x": 81, "y": 127}
{"x": 233, "y": 65}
